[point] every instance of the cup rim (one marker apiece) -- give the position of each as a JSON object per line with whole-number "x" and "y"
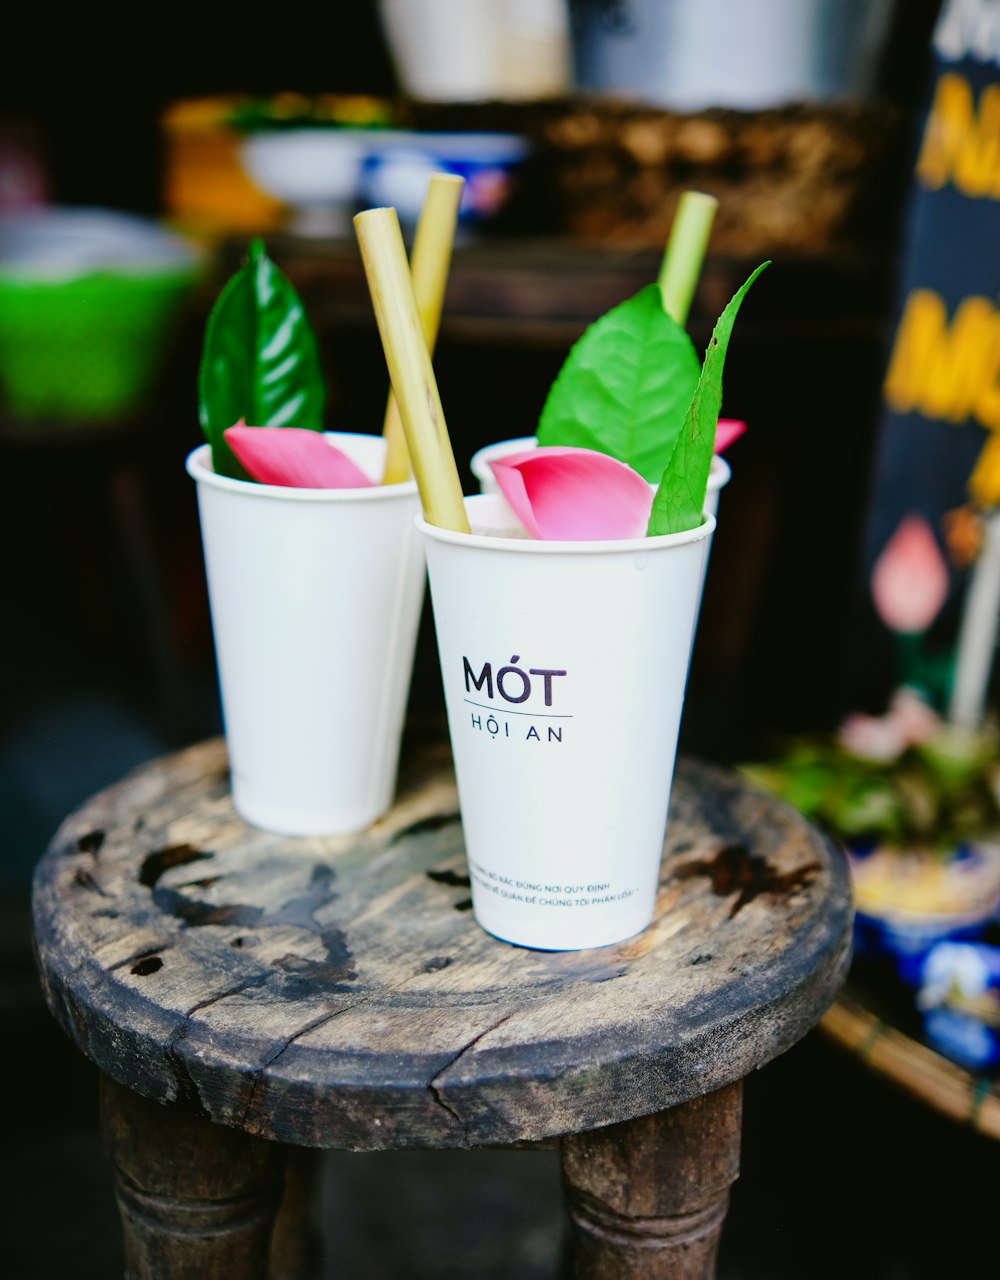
{"x": 198, "y": 466}
{"x": 543, "y": 547}
{"x": 479, "y": 462}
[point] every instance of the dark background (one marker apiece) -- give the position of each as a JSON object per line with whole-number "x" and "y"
{"x": 93, "y": 80}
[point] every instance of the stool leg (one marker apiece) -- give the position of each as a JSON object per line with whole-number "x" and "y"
{"x": 647, "y": 1198}
{"x": 297, "y": 1242}
{"x": 197, "y": 1200}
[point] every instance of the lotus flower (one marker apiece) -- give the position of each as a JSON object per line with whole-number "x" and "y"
{"x": 726, "y": 431}
{"x": 293, "y": 457}
{"x": 910, "y": 579}
{"x": 569, "y": 494}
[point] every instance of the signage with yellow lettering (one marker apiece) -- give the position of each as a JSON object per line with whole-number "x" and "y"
{"x": 938, "y": 452}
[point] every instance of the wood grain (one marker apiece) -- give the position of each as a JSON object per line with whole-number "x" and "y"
{"x": 197, "y": 1201}
{"x": 647, "y": 1199}
{"x": 338, "y": 992}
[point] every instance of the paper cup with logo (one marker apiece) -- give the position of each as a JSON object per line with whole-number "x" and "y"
{"x": 315, "y": 597}
{"x": 719, "y": 475}
{"x": 564, "y": 665}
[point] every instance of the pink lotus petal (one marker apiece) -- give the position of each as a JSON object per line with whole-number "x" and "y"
{"x": 726, "y": 431}
{"x": 294, "y": 457}
{"x": 566, "y": 494}
{"x": 910, "y": 579}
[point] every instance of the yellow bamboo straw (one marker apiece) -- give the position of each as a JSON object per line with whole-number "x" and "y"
{"x": 409, "y": 361}
{"x": 429, "y": 263}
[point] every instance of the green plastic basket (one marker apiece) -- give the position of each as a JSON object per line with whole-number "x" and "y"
{"x": 87, "y": 349}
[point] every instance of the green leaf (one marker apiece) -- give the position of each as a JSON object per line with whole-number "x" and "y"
{"x": 259, "y": 359}
{"x": 680, "y": 498}
{"x": 624, "y": 386}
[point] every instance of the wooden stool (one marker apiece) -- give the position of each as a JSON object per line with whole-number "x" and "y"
{"x": 337, "y": 993}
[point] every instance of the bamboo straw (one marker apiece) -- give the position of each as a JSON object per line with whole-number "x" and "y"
{"x": 429, "y": 263}
{"x": 685, "y": 252}
{"x": 409, "y": 361}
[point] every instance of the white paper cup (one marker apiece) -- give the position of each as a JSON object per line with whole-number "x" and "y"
{"x": 315, "y": 598}
{"x": 563, "y": 666}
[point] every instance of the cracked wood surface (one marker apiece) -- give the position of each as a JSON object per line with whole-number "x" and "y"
{"x": 338, "y": 992}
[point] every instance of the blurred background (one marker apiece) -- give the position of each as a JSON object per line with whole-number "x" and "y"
{"x": 151, "y": 147}
{"x": 198, "y": 123}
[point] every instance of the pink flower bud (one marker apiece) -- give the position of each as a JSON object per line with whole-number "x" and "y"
{"x": 909, "y": 582}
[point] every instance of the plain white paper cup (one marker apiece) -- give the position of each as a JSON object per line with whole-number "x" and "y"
{"x": 563, "y": 665}
{"x": 315, "y": 597}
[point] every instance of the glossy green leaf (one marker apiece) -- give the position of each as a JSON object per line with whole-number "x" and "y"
{"x": 625, "y": 385}
{"x": 259, "y": 359}
{"x": 680, "y": 498}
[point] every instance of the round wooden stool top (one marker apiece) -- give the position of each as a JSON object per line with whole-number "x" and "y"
{"x": 339, "y": 993}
